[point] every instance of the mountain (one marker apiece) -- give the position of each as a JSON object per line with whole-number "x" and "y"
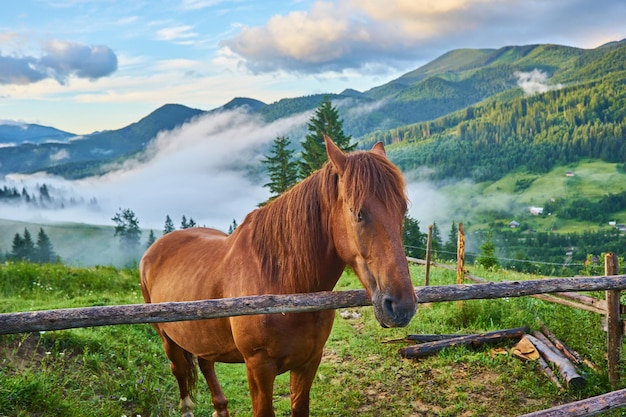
{"x": 85, "y": 156}
{"x": 12, "y": 134}
{"x": 474, "y": 94}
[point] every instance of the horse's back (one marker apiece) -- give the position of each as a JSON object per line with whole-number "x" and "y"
{"x": 176, "y": 266}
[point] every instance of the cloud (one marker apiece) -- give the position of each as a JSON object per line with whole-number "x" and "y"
{"x": 534, "y": 82}
{"x": 371, "y": 35}
{"x": 60, "y": 61}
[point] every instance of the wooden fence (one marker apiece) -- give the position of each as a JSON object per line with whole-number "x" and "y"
{"x": 272, "y": 304}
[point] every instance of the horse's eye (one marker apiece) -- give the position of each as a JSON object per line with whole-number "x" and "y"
{"x": 359, "y": 216}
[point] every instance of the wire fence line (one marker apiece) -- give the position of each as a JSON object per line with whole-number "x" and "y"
{"x": 529, "y": 261}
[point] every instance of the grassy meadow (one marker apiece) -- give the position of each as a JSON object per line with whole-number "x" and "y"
{"x": 122, "y": 370}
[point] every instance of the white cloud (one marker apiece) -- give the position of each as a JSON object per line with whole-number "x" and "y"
{"x": 534, "y": 82}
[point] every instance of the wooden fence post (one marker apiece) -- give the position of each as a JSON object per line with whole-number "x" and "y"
{"x": 460, "y": 260}
{"x": 613, "y": 321}
{"x": 428, "y": 246}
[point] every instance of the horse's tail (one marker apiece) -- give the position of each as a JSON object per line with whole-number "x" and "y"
{"x": 192, "y": 373}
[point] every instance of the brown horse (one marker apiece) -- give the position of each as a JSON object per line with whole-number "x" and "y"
{"x": 348, "y": 212}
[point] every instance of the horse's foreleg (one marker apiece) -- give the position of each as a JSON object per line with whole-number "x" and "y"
{"x": 220, "y": 403}
{"x": 261, "y": 374}
{"x": 300, "y": 381}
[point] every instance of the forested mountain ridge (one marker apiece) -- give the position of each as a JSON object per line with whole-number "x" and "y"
{"x": 467, "y": 102}
{"x": 536, "y": 133}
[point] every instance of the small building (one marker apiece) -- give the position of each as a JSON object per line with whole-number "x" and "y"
{"x": 535, "y": 211}
{"x": 514, "y": 225}
{"x": 570, "y": 174}
{"x": 621, "y": 227}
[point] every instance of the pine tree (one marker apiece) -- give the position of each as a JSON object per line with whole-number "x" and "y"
{"x": 487, "y": 257}
{"x": 191, "y": 223}
{"x": 169, "y": 225}
{"x": 28, "y": 246}
{"x": 436, "y": 243}
{"x": 282, "y": 170}
{"x": 44, "y": 252}
{"x": 450, "y": 247}
{"x": 325, "y": 122}
{"x": 232, "y": 227}
{"x": 17, "y": 248}
{"x": 413, "y": 239}
{"x": 151, "y": 239}
{"x": 184, "y": 224}
{"x": 127, "y": 227}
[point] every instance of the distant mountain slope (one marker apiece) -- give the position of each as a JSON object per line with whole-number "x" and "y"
{"x": 455, "y": 92}
{"x": 18, "y": 133}
{"x": 83, "y": 157}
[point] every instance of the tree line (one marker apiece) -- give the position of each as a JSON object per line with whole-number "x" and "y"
{"x": 24, "y": 248}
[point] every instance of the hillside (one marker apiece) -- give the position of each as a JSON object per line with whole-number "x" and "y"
{"x": 464, "y": 91}
{"x": 12, "y": 134}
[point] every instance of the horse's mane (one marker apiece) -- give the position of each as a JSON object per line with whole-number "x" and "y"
{"x": 289, "y": 233}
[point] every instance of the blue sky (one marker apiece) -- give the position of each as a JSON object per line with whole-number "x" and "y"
{"x": 83, "y": 66}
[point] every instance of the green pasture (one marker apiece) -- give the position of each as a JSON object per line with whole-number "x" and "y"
{"x": 122, "y": 370}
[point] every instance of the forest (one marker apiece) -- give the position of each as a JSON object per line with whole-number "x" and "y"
{"x": 529, "y": 133}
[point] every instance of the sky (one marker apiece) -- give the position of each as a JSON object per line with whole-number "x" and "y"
{"x": 83, "y": 66}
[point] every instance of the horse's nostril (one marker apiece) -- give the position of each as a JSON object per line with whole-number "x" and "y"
{"x": 389, "y": 304}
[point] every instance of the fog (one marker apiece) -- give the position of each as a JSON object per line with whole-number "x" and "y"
{"x": 207, "y": 170}
{"x": 204, "y": 170}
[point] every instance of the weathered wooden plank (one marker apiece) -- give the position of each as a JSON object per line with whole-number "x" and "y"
{"x": 566, "y": 368}
{"x": 266, "y": 304}
{"x": 587, "y": 407}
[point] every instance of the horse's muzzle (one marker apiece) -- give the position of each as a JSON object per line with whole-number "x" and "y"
{"x": 393, "y": 312}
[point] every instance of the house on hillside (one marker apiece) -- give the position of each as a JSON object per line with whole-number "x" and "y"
{"x": 621, "y": 227}
{"x": 514, "y": 225}
{"x": 570, "y": 174}
{"x": 535, "y": 211}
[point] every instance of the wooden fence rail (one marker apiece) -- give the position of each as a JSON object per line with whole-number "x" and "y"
{"x": 265, "y": 304}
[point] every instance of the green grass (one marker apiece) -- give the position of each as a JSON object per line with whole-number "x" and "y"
{"x": 122, "y": 370}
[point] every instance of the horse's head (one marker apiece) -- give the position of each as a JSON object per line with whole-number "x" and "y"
{"x": 367, "y": 229}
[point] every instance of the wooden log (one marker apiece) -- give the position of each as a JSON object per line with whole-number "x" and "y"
{"x": 584, "y": 299}
{"x": 460, "y": 260}
{"x": 547, "y": 371}
{"x": 291, "y": 303}
{"x": 570, "y": 353}
{"x": 614, "y": 324}
{"x": 570, "y": 303}
{"x": 424, "y": 338}
{"x": 430, "y": 348}
{"x": 428, "y": 246}
{"x": 566, "y": 368}
{"x": 546, "y": 341}
{"x": 587, "y": 407}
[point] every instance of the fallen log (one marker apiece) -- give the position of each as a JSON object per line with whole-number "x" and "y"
{"x": 570, "y": 353}
{"x": 526, "y": 351}
{"x": 587, "y": 407}
{"x": 430, "y": 348}
{"x": 566, "y": 368}
{"x": 569, "y": 302}
{"x": 423, "y": 338}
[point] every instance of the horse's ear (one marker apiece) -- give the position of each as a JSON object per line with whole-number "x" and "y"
{"x": 379, "y": 149}
{"x": 335, "y": 155}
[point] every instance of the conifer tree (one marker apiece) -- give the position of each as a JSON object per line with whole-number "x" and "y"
{"x": 487, "y": 257}
{"x": 17, "y": 248}
{"x": 281, "y": 169}
{"x": 232, "y": 227}
{"x": 413, "y": 239}
{"x": 450, "y": 247}
{"x": 325, "y": 122}
{"x": 151, "y": 239}
{"x": 44, "y": 252}
{"x": 436, "y": 242}
{"x": 169, "y": 225}
{"x": 28, "y": 246}
{"x": 184, "y": 224}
